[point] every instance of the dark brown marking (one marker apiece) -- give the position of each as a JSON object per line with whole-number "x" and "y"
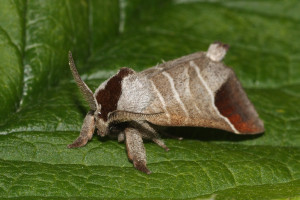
{"x": 141, "y": 166}
{"x": 225, "y": 46}
{"x": 109, "y": 96}
{"x": 233, "y": 103}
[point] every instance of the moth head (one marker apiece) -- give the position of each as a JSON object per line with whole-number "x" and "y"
{"x": 100, "y": 124}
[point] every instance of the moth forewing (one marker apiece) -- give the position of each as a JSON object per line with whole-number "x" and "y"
{"x": 197, "y": 91}
{"x": 194, "y": 90}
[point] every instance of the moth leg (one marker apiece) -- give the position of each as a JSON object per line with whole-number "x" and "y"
{"x": 123, "y": 116}
{"x": 86, "y": 133}
{"x": 160, "y": 143}
{"x": 148, "y": 132}
{"x": 121, "y": 137}
{"x": 155, "y": 136}
{"x": 170, "y": 136}
{"x": 135, "y": 149}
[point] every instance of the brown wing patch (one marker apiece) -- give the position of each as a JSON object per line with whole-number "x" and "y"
{"x": 233, "y": 103}
{"x": 109, "y": 96}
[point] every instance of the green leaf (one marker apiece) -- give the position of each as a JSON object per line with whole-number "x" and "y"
{"x": 42, "y": 109}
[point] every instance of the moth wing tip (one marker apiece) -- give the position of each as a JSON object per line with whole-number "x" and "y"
{"x": 254, "y": 128}
{"x": 259, "y": 127}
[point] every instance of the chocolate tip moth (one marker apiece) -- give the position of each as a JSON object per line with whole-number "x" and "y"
{"x": 194, "y": 90}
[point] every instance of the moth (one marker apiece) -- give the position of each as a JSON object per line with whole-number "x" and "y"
{"x": 194, "y": 90}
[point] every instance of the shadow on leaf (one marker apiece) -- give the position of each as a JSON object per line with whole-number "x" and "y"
{"x": 207, "y": 134}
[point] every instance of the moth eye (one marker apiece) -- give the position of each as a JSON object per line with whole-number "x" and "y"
{"x": 99, "y": 113}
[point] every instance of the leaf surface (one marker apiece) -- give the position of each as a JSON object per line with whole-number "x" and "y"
{"x": 42, "y": 110}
